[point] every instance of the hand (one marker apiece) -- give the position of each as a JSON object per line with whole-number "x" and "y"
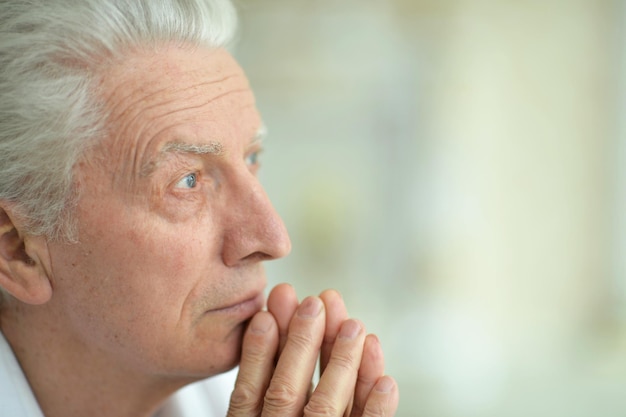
{"x": 280, "y": 351}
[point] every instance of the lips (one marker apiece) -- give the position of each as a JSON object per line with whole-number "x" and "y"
{"x": 247, "y": 306}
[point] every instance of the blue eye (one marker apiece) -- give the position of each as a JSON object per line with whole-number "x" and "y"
{"x": 189, "y": 181}
{"x": 252, "y": 159}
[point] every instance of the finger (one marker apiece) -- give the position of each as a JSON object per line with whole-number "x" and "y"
{"x": 287, "y": 392}
{"x": 260, "y": 343}
{"x": 282, "y": 303}
{"x": 383, "y": 399}
{"x": 371, "y": 370}
{"x": 336, "y": 314}
{"x": 335, "y": 390}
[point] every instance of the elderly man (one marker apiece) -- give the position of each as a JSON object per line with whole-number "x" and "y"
{"x": 133, "y": 227}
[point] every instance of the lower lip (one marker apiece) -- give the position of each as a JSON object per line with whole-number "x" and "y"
{"x": 246, "y": 308}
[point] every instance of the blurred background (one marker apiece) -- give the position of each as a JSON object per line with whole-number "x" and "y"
{"x": 457, "y": 169}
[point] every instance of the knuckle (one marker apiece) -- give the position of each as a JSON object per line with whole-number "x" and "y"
{"x": 346, "y": 361}
{"x": 301, "y": 341}
{"x": 281, "y": 397}
{"x": 245, "y": 398}
{"x": 321, "y": 407}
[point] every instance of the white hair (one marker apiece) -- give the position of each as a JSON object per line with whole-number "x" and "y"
{"x": 50, "y": 51}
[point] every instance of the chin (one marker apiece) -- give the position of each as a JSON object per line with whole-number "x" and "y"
{"x": 232, "y": 355}
{"x": 204, "y": 367}
{"x": 220, "y": 358}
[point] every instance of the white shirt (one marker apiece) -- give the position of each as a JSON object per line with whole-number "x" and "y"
{"x": 208, "y": 398}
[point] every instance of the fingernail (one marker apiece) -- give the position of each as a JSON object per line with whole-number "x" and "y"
{"x": 310, "y": 307}
{"x": 350, "y": 329}
{"x": 260, "y": 323}
{"x": 385, "y": 385}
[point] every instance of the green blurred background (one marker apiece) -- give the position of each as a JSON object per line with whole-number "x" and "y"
{"x": 457, "y": 169}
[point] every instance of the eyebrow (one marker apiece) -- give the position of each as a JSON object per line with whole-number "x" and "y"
{"x": 212, "y": 148}
{"x": 260, "y": 135}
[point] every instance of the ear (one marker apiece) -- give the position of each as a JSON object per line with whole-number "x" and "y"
{"x": 22, "y": 271}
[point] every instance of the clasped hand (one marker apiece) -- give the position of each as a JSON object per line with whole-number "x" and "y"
{"x": 280, "y": 350}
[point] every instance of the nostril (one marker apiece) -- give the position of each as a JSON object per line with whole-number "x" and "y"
{"x": 257, "y": 257}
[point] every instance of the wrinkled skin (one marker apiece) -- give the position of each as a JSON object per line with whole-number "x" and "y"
{"x": 167, "y": 274}
{"x": 351, "y": 363}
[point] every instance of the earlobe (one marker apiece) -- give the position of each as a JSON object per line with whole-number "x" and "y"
{"x": 22, "y": 273}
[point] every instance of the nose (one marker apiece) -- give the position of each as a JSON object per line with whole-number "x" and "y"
{"x": 253, "y": 231}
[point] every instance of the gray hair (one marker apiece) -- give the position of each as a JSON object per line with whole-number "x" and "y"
{"x": 50, "y": 51}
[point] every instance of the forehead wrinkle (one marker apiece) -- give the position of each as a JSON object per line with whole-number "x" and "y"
{"x": 238, "y": 90}
{"x": 188, "y": 107}
{"x": 122, "y": 127}
{"x": 214, "y": 148}
{"x": 114, "y": 105}
{"x": 133, "y": 104}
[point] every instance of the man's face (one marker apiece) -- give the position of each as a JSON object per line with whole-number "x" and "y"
{"x": 173, "y": 222}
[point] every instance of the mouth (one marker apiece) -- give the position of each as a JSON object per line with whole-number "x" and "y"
{"x": 246, "y": 307}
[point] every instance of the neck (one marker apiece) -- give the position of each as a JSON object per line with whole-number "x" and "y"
{"x": 70, "y": 379}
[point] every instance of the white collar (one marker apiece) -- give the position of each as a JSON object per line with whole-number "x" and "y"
{"x": 16, "y": 397}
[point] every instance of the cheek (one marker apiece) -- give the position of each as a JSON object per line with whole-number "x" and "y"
{"x": 150, "y": 264}
{"x": 137, "y": 291}
{"x": 145, "y": 273}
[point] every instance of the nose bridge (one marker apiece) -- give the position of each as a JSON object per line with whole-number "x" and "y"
{"x": 255, "y": 227}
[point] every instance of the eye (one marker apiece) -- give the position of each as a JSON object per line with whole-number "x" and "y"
{"x": 252, "y": 159}
{"x": 188, "y": 181}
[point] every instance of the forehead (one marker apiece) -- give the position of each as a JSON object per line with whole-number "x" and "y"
{"x": 174, "y": 93}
